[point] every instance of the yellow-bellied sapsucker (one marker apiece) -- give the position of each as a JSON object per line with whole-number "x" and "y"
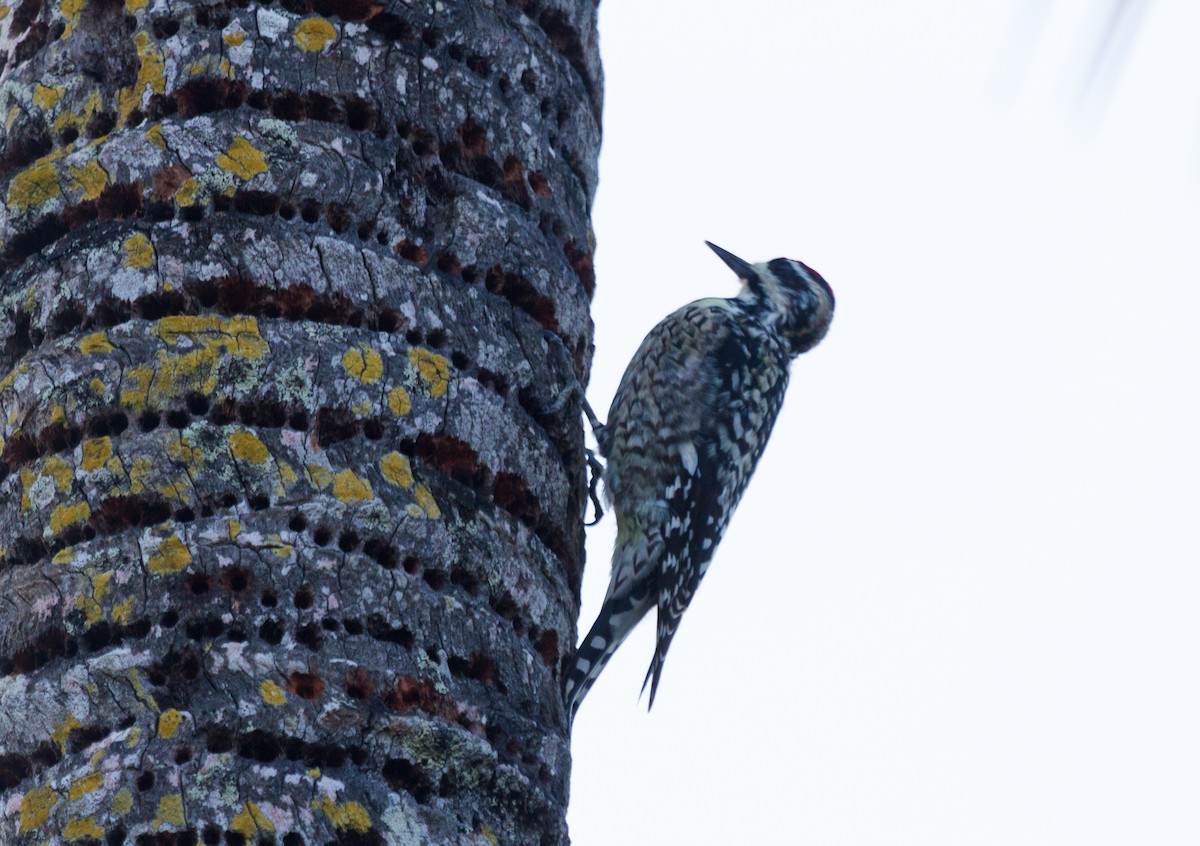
{"x": 686, "y": 428}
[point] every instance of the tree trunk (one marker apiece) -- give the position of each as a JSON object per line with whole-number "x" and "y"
{"x": 291, "y": 537}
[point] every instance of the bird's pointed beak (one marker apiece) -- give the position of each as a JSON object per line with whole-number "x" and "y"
{"x": 737, "y": 265}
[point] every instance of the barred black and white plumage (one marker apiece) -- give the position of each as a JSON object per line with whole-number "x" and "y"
{"x": 685, "y": 431}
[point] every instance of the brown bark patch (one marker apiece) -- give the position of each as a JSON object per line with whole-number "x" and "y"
{"x": 308, "y": 686}
{"x": 512, "y": 494}
{"x": 451, "y": 456}
{"x": 359, "y": 685}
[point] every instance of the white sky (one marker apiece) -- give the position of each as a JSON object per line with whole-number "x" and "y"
{"x": 959, "y": 603}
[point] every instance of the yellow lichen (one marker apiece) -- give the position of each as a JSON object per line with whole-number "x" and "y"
{"x": 191, "y": 457}
{"x": 320, "y": 477}
{"x": 155, "y": 136}
{"x": 425, "y": 499}
{"x": 197, "y": 370}
{"x": 122, "y": 803}
{"x": 28, "y": 477}
{"x": 271, "y": 693}
{"x": 59, "y": 471}
{"x": 71, "y": 9}
{"x": 96, "y": 451}
{"x": 4, "y": 10}
{"x": 68, "y": 119}
{"x": 84, "y": 785}
{"x": 434, "y": 369}
{"x": 11, "y": 377}
{"x": 398, "y": 401}
{"x": 135, "y": 734}
{"x": 64, "y": 556}
{"x": 32, "y": 187}
{"x": 97, "y": 342}
{"x": 138, "y": 251}
{"x": 188, "y": 193}
{"x": 135, "y": 396}
{"x": 363, "y": 408}
{"x": 233, "y": 529}
{"x": 397, "y": 469}
{"x": 65, "y": 516}
{"x": 122, "y": 612}
{"x": 81, "y": 827}
{"x": 132, "y": 6}
{"x": 141, "y": 471}
{"x": 151, "y": 74}
{"x": 343, "y": 815}
{"x": 100, "y": 583}
{"x": 46, "y": 97}
{"x": 234, "y": 39}
{"x": 93, "y": 610}
{"x": 250, "y": 821}
{"x": 88, "y": 181}
{"x": 246, "y": 446}
{"x": 97, "y": 387}
{"x": 487, "y": 832}
{"x": 231, "y": 335}
{"x": 170, "y": 557}
{"x": 179, "y": 488}
{"x": 242, "y": 159}
{"x": 35, "y": 807}
{"x": 364, "y": 364}
{"x": 312, "y": 34}
{"x": 170, "y": 811}
{"x": 169, "y": 722}
{"x": 350, "y": 487}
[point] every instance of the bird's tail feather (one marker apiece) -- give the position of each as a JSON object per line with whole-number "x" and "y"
{"x": 666, "y": 631}
{"x": 631, "y": 595}
{"x": 607, "y": 633}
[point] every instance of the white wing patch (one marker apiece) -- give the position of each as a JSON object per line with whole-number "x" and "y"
{"x": 687, "y": 452}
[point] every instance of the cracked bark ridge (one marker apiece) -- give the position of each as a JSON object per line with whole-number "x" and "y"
{"x": 292, "y": 536}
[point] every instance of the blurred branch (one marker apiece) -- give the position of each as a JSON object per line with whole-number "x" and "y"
{"x": 1111, "y": 49}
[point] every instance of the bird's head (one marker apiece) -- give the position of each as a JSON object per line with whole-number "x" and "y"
{"x": 788, "y": 296}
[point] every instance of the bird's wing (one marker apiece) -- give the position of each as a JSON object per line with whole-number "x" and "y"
{"x": 734, "y": 414}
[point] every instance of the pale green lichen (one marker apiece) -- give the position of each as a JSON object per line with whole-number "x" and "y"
{"x": 279, "y": 133}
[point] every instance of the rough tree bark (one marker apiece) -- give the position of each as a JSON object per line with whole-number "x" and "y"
{"x": 291, "y": 529}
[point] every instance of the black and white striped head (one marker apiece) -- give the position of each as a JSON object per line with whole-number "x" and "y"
{"x": 789, "y": 297}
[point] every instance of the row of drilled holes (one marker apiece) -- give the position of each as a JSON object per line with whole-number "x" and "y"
{"x": 117, "y": 513}
{"x": 201, "y": 96}
{"x": 238, "y": 295}
{"x": 239, "y": 580}
{"x": 310, "y": 634}
{"x": 207, "y": 95}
